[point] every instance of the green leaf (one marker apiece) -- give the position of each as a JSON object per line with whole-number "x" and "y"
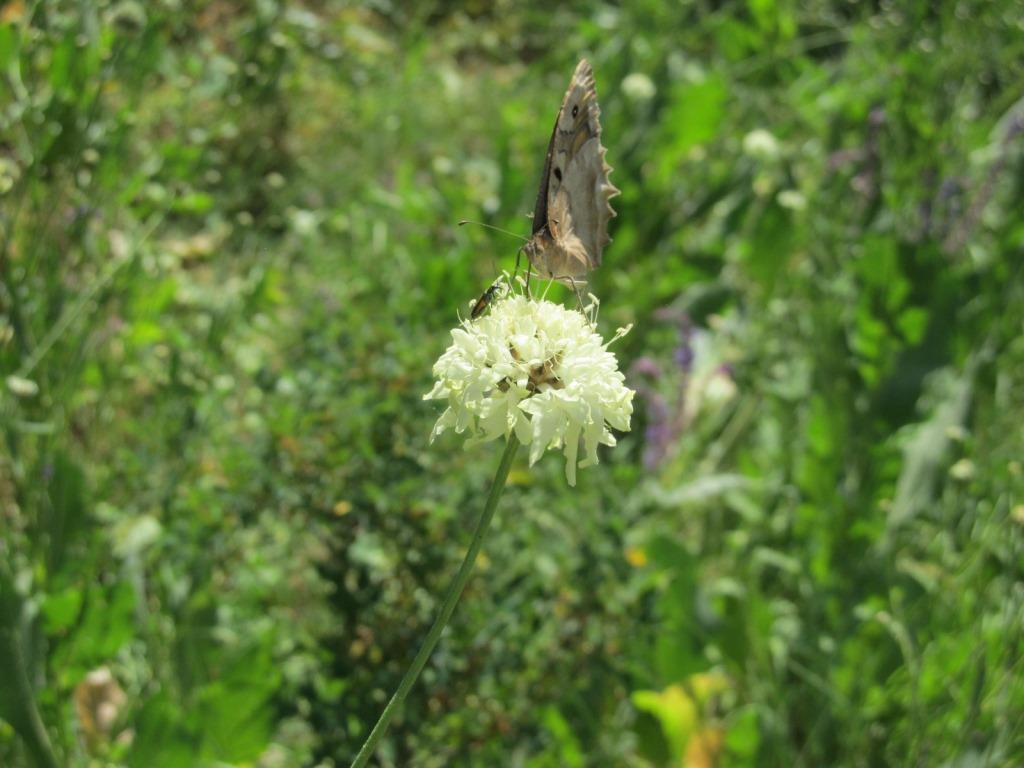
{"x": 8, "y": 46}
{"x": 700, "y": 491}
{"x": 68, "y": 506}
{"x": 676, "y": 712}
{"x": 144, "y": 333}
{"x": 61, "y": 608}
{"x": 693, "y": 117}
{"x": 237, "y": 717}
{"x": 677, "y": 650}
{"x": 62, "y": 66}
{"x": 742, "y": 740}
{"x": 107, "y": 625}
{"x": 193, "y": 202}
{"x": 570, "y": 754}
{"x": 913, "y": 322}
{"x": 770, "y": 245}
{"x": 926, "y": 450}
{"x": 163, "y": 736}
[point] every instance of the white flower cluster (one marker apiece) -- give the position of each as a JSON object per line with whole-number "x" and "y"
{"x": 536, "y": 368}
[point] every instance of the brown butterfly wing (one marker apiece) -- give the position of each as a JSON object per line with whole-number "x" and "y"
{"x": 540, "y": 208}
{"x": 571, "y": 216}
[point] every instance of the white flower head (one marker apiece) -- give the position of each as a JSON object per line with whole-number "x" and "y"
{"x": 538, "y": 369}
{"x": 638, "y": 87}
{"x": 761, "y": 144}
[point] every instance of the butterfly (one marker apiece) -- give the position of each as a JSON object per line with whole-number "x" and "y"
{"x": 570, "y": 219}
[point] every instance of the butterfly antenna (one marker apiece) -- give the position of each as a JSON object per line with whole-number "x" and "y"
{"x": 515, "y": 269}
{"x": 463, "y": 222}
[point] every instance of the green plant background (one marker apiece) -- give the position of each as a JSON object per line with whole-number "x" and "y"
{"x": 230, "y": 256}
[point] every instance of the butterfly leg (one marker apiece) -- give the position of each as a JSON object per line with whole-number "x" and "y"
{"x": 579, "y": 299}
{"x": 515, "y": 271}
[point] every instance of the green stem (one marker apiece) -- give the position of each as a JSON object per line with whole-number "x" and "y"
{"x": 454, "y": 592}
{"x": 17, "y": 701}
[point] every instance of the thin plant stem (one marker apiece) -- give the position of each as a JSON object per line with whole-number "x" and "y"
{"x": 18, "y": 705}
{"x": 450, "y": 600}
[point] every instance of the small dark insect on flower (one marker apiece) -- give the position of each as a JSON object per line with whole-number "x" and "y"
{"x": 484, "y": 301}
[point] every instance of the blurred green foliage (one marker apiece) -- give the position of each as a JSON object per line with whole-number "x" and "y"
{"x": 228, "y": 259}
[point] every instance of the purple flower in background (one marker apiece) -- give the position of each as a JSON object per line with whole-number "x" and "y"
{"x": 665, "y": 420}
{"x": 684, "y": 352}
{"x": 673, "y": 395}
{"x": 646, "y": 366}
{"x": 659, "y": 433}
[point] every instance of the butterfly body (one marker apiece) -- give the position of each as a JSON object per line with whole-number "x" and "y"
{"x": 570, "y": 219}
